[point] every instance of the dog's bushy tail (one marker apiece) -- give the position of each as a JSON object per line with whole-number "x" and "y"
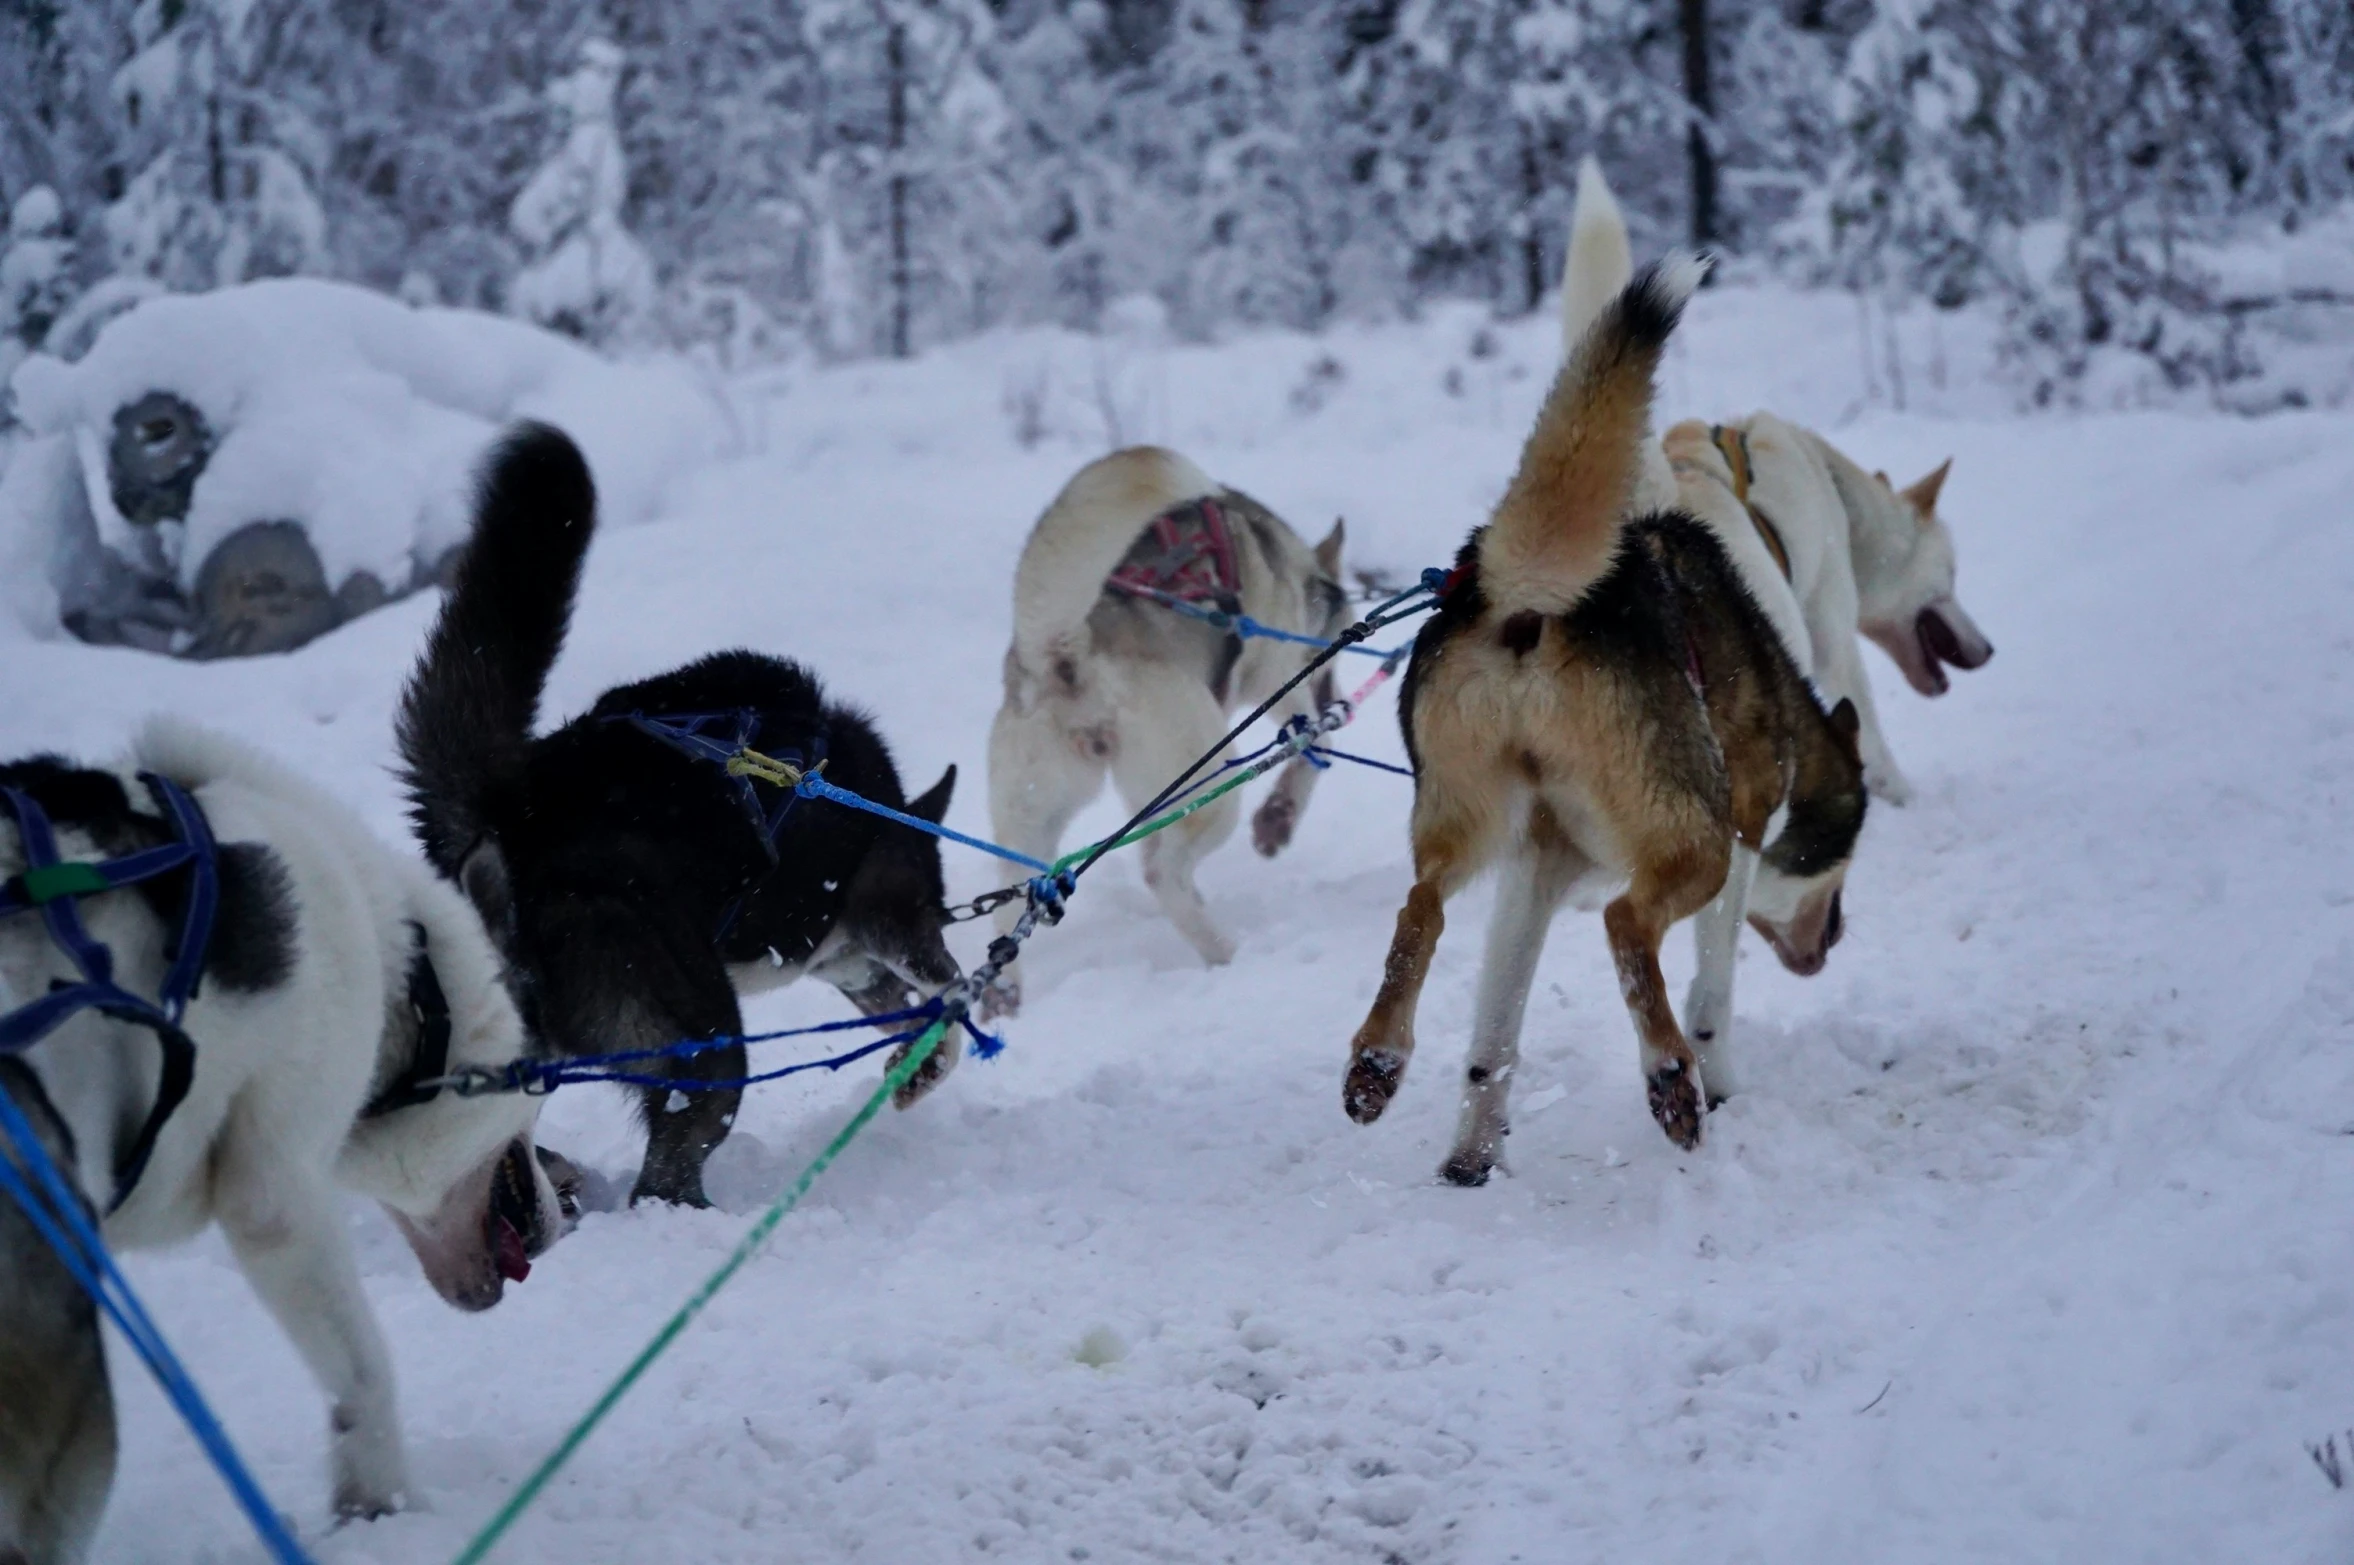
{"x": 1082, "y": 537}
{"x": 1557, "y": 527}
{"x": 1598, "y": 262}
{"x": 466, "y": 716}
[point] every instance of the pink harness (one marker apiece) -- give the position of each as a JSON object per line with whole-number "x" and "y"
{"x": 1185, "y": 553}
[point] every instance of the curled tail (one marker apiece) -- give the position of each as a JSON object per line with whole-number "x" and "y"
{"x": 1557, "y": 527}
{"x": 466, "y": 716}
{"x": 1083, "y": 536}
{"x": 1599, "y": 261}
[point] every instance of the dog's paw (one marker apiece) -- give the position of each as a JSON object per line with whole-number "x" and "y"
{"x": 1468, "y": 1168}
{"x": 1888, "y": 784}
{"x": 1372, "y": 1081}
{"x": 675, "y": 1192}
{"x": 1676, "y": 1103}
{"x": 357, "y": 1503}
{"x": 371, "y": 1475}
{"x": 1272, "y": 826}
{"x": 927, "y": 1075}
{"x": 1001, "y": 999}
{"x": 367, "y": 1483}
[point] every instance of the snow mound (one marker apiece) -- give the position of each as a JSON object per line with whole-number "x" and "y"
{"x": 355, "y": 415}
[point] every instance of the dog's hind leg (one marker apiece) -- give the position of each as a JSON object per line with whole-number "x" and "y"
{"x": 1708, "y": 1004}
{"x": 1042, "y": 772}
{"x": 686, "y": 1123}
{"x": 1533, "y": 883}
{"x": 57, "y": 1444}
{"x": 286, "y": 1227}
{"x": 1533, "y": 886}
{"x": 1667, "y": 887}
{"x": 1448, "y": 850}
{"x": 616, "y": 979}
{"x": 1174, "y": 720}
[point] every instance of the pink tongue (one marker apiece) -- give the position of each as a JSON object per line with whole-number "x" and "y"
{"x": 514, "y": 1265}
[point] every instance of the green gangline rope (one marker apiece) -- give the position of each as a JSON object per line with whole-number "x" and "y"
{"x": 895, "y": 1078}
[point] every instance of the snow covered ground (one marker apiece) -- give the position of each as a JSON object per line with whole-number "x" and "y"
{"x": 2028, "y": 1242}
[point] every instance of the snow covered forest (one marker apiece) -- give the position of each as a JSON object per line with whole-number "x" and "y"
{"x": 2126, "y": 180}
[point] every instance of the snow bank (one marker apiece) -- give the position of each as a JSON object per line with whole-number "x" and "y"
{"x": 354, "y": 414}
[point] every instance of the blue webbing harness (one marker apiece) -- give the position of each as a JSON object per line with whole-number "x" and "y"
{"x": 690, "y": 735}
{"x": 55, "y": 887}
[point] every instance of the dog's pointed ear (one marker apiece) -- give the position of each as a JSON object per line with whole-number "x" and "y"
{"x": 1328, "y": 552}
{"x": 1923, "y": 494}
{"x": 1885, "y": 481}
{"x": 933, "y": 804}
{"x": 1848, "y": 725}
{"x": 482, "y": 875}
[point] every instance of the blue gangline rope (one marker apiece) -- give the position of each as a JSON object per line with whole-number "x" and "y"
{"x": 1241, "y": 625}
{"x": 67, "y": 1228}
{"x": 813, "y": 786}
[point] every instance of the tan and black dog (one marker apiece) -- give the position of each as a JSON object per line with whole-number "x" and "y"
{"x": 1599, "y": 703}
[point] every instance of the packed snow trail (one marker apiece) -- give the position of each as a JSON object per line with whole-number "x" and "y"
{"x": 2026, "y": 1241}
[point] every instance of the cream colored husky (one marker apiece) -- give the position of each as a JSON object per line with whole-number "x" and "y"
{"x": 1857, "y": 553}
{"x": 1105, "y": 680}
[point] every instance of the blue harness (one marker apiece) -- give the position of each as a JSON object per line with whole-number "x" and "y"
{"x": 55, "y": 887}
{"x": 691, "y": 735}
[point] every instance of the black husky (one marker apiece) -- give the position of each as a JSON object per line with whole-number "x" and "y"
{"x": 634, "y": 883}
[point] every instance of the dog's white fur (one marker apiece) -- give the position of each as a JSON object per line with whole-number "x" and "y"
{"x": 1864, "y": 556}
{"x": 1138, "y": 706}
{"x": 270, "y": 1124}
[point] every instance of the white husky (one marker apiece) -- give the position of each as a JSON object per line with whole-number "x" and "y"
{"x": 1099, "y": 679}
{"x": 331, "y": 963}
{"x": 1857, "y": 553}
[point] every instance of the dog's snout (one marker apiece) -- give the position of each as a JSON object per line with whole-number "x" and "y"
{"x": 1948, "y": 635}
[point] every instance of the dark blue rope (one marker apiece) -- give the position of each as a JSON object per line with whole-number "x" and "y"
{"x": 1326, "y": 755}
{"x": 554, "y": 1074}
{"x": 545, "y": 1075}
{"x": 66, "y": 1228}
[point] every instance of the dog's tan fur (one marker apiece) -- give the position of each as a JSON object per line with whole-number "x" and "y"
{"x": 1557, "y": 730}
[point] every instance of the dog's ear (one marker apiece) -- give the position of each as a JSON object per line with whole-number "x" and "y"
{"x": 482, "y": 875}
{"x": 933, "y": 805}
{"x": 1328, "y": 552}
{"x": 1885, "y": 482}
{"x": 1923, "y": 494}
{"x": 1848, "y": 725}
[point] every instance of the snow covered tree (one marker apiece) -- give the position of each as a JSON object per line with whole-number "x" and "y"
{"x": 586, "y": 274}
{"x": 2071, "y": 166}
{"x": 871, "y": 175}
{"x": 907, "y": 181}
{"x": 1092, "y": 230}
{"x": 1231, "y": 119}
{"x": 36, "y": 270}
{"x": 216, "y": 193}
